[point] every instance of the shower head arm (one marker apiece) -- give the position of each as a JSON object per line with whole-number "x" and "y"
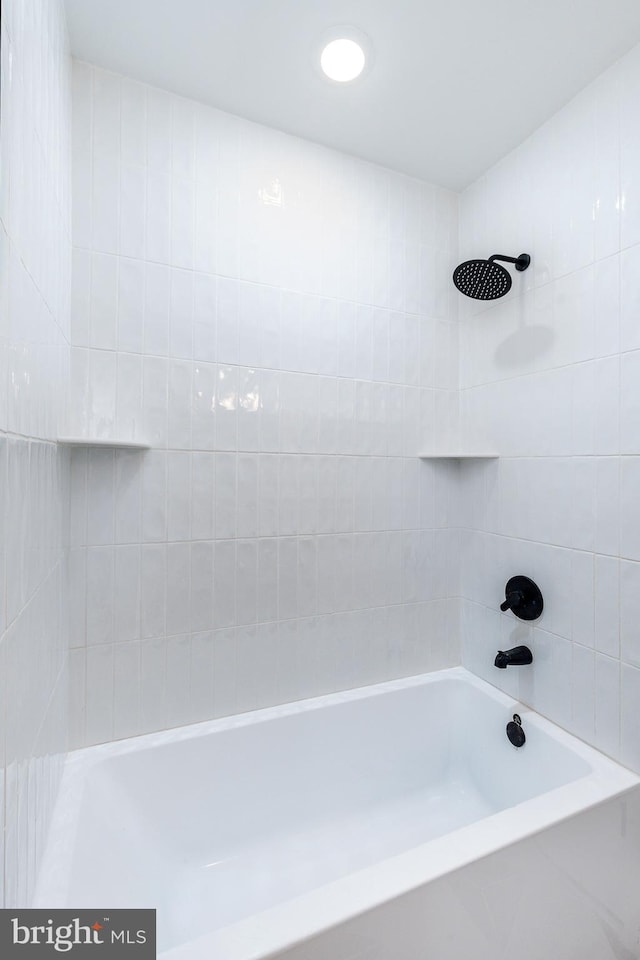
{"x": 521, "y": 262}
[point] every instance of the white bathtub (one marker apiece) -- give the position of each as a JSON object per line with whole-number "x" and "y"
{"x": 301, "y": 830}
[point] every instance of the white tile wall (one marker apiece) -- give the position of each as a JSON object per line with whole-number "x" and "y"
{"x": 277, "y": 320}
{"x": 549, "y": 377}
{"x": 35, "y": 268}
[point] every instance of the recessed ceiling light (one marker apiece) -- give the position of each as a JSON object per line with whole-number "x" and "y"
{"x": 342, "y": 60}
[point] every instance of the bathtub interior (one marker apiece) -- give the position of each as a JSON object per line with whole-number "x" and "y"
{"x": 211, "y": 826}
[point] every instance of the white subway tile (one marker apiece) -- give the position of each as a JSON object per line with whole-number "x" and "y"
{"x": 133, "y": 115}
{"x": 183, "y": 137}
{"x": 629, "y": 182}
{"x": 607, "y": 306}
{"x": 156, "y": 309}
{"x": 249, "y": 408}
{"x": 629, "y": 519}
{"x": 177, "y": 693}
{"x": 154, "y": 400}
{"x": 204, "y": 318}
{"x": 99, "y": 707}
{"x": 131, "y": 303}
{"x": 226, "y": 408}
{"x": 133, "y": 211}
{"x": 100, "y": 595}
{"x": 153, "y": 578}
{"x": 154, "y": 497}
{"x": 105, "y": 204}
{"x": 80, "y": 297}
{"x": 181, "y": 410}
{"x": 247, "y": 496}
{"x": 157, "y": 663}
{"x": 228, "y": 321}
{"x": 346, "y": 338}
{"x": 630, "y": 612}
{"x": 201, "y": 585}
{"x": 267, "y": 587}
{"x": 201, "y": 497}
{"x": 607, "y": 692}
{"x": 104, "y": 302}
{"x": 181, "y": 315}
{"x": 607, "y": 605}
{"x": 268, "y": 496}
{"x": 224, "y": 584}
{"x": 179, "y": 497}
{"x": 226, "y": 493}
{"x": 583, "y": 692}
{"x": 629, "y": 403}
{"x": 101, "y": 497}
{"x": 77, "y": 698}
{"x": 583, "y": 592}
{"x": 609, "y": 523}
{"x": 182, "y": 222}
{"x": 629, "y": 716}
{"x": 126, "y": 625}
{"x": 204, "y": 237}
{"x": 126, "y": 690}
{"x": 224, "y": 672}
{"x": 246, "y": 583}
{"x": 158, "y": 221}
{"x": 158, "y": 130}
{"x": 629, "y": 298}
{"x": 201, "y": 681}
{"x": 129, "y": 421}
{"x": 178, "y": 613}
{"x": 106, "y": 114}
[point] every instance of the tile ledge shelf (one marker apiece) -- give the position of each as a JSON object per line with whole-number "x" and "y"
{"x": 459, "y": 455}
{"x": 100, "y": 442}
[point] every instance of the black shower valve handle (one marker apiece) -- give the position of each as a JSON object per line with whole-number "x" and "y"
{"x": 523, "y": 597}
{"x": 513, "y": 599}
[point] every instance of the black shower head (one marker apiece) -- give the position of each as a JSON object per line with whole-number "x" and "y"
{"x": 486, "y": 280}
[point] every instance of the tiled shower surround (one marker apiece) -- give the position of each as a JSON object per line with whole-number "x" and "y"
{"x": 277, "y": 321}
{"x": 35, "y": 271}
{"x": 550, "y": 377}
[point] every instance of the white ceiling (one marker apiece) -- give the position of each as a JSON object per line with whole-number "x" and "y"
{"x": 453, "y": 86}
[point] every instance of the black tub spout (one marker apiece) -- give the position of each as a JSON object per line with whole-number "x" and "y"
{"x": 516, "y": 657}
